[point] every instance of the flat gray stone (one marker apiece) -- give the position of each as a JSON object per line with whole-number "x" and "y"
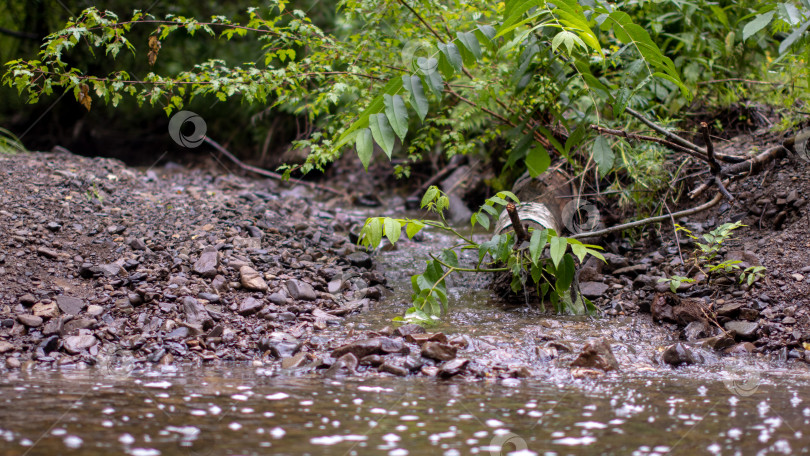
{"x": 70, "y": 305}
{"x": 206, "y": 265}
{"x": 77, "y": 344}
{"x": 301, "y": 291}
{"x": 743, "y": 329}
{"x": 32, "y": 321}
{"x": 250, "y": 306}
{"x": 593, "y": 289}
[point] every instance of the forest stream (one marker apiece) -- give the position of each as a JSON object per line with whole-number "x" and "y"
{"x": 726, "y": 405}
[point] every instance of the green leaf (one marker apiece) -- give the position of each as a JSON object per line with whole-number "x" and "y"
{"x": 382, "y": 133}
{"x": 376, "y": 106}
{"x": 579, "y": 250}
{"x": 364, "y": 146}
{"x": 450, "y": 257}
{"x": 793, "y": 37}
{"x": 418, "y": 100}
{"x": 397, "y": 115}
{"x": 374, "y": 232}
{"x": 453, "y": 56}
{"x": 602, "y": 155}
{"x": 538, "y": 161}
{"x": 557, "y": 249}
{"x": 413, "y": 227}
{"x": 565, "y": 274}
{"x": 434, "y": 79}
{"x": 759, "y": 23}
{"x": 393, "y": 229}
{"x": 430, "y": 195}
{"x": 482, "y": 219}
{"x": 537, "y": 273}
{"x": 470, "y": 42}
{"x": 537, "y": 244}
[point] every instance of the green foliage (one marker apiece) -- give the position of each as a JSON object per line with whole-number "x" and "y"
{"x": 552, "y": 275}
{"x": 705, "y": 254}
{"x": 9, "y": 143}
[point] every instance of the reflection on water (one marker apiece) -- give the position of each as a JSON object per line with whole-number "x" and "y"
{"x": 238, "y": 410}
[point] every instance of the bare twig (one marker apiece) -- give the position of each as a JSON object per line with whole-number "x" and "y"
{"x": 264, "y": 172}
{"x": 626, "y": 226}
{"x": 634, "y": 136}
{"x": 679, "y": 140}
{"x": 516, "y": 225}
{"x": 747, "y": 81}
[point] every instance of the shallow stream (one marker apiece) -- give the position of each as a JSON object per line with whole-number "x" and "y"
{"x": 724, "y": 406}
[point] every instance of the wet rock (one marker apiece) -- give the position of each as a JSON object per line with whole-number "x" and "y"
{"x": 301, "y": 291}
{"x": 77, "y": 344}
{"x": 596, "y": 355}
{"x": 439, "y": 351}
{"x": 749, "y": 314}
{"x": 370, "y": 360}
{"x": 30, "y": 321}
{"x": 360, "y": 259}
{"x": 742, "y": 348}
{"x": 394, "y": 369}
{"x": 743, "y": 329}
{"x": 53, "y": 227}
{"x": 376, "y": 345}
{"x": 13, "y": 363}
{"x": 293, "y": 362}
{"x": 678, "y": 354}
{"x": 250, "y": 306}
{"x": 206, "y": 265}
{"x": 695, "y": 330}
{"x": 48, "y": 345}
{"x": 46, "y": 311}
{"x": 420, "y": 339}
{"x": 408, "y": 329}
{"x": 335, "y": 286}
{"x": 717, "y": 343}
{"x": 278, "y": 298}
{"x": 345, "y": 364}
{"x": 645, "y": 280}
{"x": 280, "y": 345}
{"x": 452, "y": 368}
{"x": 593, "y": 290}
{"x": 70, "y": 305}
{"x": 729, "y": 310}
{"x": 251, "y": 279}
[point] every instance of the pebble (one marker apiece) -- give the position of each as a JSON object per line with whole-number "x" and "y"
{"x": 5, "y": 347}
{"x": 593, "y": 290}
{"x": 439, "y": 351}
{"x": 46, "y": 311}
{"x": 32, "y": 321}
{"x": 77, "y": 344}
{"x": 250, "y": 306}
{"x": 206, "y": 265}
{"x": 251, "y": 279}
{"x": 743, "y": 329}
{"x": 13, "y": 363}
{"x": 301, "y": 291}
{"x": 596, "y": 355}
{"x": 678, "y": 354}
{"x": 70, "y": 305}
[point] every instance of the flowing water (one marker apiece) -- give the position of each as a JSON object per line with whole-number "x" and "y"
{"x": 725, "y": 406}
